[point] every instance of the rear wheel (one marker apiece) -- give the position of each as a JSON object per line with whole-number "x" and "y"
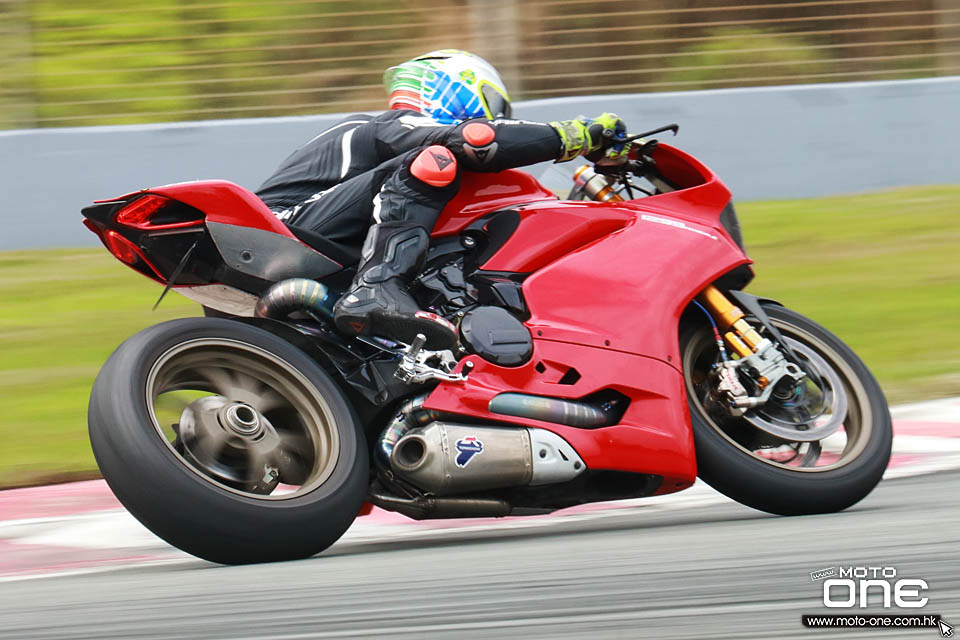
{"x": 773, "y": 458}
{"x": 228, "y": 442}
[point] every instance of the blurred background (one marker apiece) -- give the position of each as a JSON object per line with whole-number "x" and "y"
{"x": 71, "y": 63}
{"x": 103, "y": 97}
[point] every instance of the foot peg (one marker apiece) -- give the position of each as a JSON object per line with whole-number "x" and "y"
{"x": 413, "y": 367}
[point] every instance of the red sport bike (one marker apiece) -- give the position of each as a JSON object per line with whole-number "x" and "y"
{"x": 608, "y": 352}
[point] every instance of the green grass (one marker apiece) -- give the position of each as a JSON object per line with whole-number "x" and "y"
{"x": 880, "y": 270}
{"x": 63, "y": 313}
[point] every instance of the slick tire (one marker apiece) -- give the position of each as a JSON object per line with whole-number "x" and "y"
{"x": 738, "y": 473}
{"x": 192, "y": 511}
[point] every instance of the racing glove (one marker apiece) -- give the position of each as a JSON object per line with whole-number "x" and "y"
{"x": 597, "y": 139}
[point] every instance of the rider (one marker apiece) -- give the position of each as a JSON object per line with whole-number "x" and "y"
{"x": 390, "y": 175}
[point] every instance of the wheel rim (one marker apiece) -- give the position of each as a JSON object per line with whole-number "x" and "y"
{"x": 845, "y": 393}
{"x": 242, "y": 419}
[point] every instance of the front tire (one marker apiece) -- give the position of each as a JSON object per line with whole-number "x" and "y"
{"x": 228, "y": 442}
{"x": 775, "y": 474}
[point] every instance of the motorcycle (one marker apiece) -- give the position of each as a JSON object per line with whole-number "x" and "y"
{"x": 608, "y": 352}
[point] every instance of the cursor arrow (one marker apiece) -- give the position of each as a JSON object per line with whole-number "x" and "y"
{"x": 946, "y": 631}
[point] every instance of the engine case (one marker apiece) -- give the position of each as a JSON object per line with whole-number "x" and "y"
{"x": 497, "y": 336}
{"x": 446, "y": 458}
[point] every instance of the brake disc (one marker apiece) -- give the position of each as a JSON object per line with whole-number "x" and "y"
{"x": 804, "y": 412}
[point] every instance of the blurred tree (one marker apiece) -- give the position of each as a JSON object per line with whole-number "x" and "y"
{"x": 70, "y": 62}
{"x": 948, "y": 35}
{"x": 17, "y": 99}
{"x": 744, "y": 57}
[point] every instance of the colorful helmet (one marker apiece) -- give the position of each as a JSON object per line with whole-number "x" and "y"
{"x": 449, "y": 86}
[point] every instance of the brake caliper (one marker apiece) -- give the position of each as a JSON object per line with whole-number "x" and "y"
{"x": 767, "y": 368}
{"x": 761, "y": 362}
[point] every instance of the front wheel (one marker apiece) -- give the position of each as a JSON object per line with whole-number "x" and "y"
{"x": 765, "y": 459}
{"x": 228, "y": 442}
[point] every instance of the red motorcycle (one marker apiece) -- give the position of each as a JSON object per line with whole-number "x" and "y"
{"x": 608, "y": 352}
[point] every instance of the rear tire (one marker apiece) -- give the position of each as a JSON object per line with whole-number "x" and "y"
{"x": 736, "y": 471}
{"x": 193, "y": 510}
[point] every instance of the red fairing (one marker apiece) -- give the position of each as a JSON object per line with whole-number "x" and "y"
{"x": 550, "y": 230}
{"x": 608, "y": 305}
{"x": 627, "y": 291}
{"x": 485, "y": 192}
{"x": 653, "y": 436}
{"x": 222, "y": 202}
{"x": 702, "y": 195}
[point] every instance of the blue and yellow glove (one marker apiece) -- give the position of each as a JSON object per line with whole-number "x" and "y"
{"x": 597, "y": 139}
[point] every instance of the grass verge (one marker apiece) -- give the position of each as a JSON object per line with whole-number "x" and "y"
{"x": 880, "y": 270}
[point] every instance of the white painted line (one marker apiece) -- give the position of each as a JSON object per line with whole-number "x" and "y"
{"x": 88, "y": 570}
{"x": 943, "y": 410}
{"x": 30, "y": 522}
{"x": 925, "y": 444}
{"x": 111, "y": 530}
{"x": 935, "y": 464}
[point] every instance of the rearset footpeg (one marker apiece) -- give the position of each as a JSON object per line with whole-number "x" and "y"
{"x": 413, "y": 367}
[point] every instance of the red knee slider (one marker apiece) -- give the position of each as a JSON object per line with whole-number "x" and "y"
{"x": 435, "y": 166}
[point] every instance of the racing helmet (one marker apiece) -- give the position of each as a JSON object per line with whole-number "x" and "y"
{"x": 449, "y": 86}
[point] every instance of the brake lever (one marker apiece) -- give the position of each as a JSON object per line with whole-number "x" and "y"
{"x": 675, "y": 128}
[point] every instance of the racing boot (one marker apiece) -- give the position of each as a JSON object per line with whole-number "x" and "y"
{"x": 378, "y": 302}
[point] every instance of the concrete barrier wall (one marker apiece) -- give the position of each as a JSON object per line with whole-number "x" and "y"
{"x": 766, "y": 143}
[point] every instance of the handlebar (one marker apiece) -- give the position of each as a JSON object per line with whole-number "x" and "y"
{"x": 639, "y": 163}
{"x": 670, "y": 127}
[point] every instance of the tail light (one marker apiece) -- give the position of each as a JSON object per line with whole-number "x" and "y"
{"x": 139, "y": 212}
{"x": 152, "y": 212}
{"x": 124, "y": 250}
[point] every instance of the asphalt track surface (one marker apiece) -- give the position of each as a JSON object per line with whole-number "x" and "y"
{"x": 721, "y": 571}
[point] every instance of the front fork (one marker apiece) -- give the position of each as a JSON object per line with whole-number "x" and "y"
{"x": 760, "y": 361}
{"x": 740, "y": 336}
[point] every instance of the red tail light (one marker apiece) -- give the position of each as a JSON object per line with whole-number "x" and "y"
{"x": 124, "y": 250}
{"x": 139, "y": 212}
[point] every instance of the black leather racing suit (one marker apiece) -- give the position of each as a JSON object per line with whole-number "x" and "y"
{"x": 357, "y": 172}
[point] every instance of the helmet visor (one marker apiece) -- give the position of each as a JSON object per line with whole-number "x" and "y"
{"x": 495, "y": 103}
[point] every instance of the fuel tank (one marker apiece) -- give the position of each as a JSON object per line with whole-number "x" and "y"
{"x": 481, "y": 193}
{"x": 531, "y": 236}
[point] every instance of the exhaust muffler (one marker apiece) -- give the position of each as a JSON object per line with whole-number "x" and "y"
{"x": 444, "y": 458}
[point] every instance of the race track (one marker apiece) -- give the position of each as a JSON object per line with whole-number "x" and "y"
{"x": 716, "y": 571}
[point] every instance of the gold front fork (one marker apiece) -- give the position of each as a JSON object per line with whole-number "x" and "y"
{"x": 741, "y": 337}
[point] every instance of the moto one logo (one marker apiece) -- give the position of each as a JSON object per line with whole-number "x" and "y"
{"x": 855, "y": 584}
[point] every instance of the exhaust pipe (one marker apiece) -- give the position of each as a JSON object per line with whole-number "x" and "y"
{"x": 423, "y": 507}
{"x": 410, "y": 453}
{"x": 296, "y": 294}
{"x": 573, "y": 413}
{"x": 410, "y": 416}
